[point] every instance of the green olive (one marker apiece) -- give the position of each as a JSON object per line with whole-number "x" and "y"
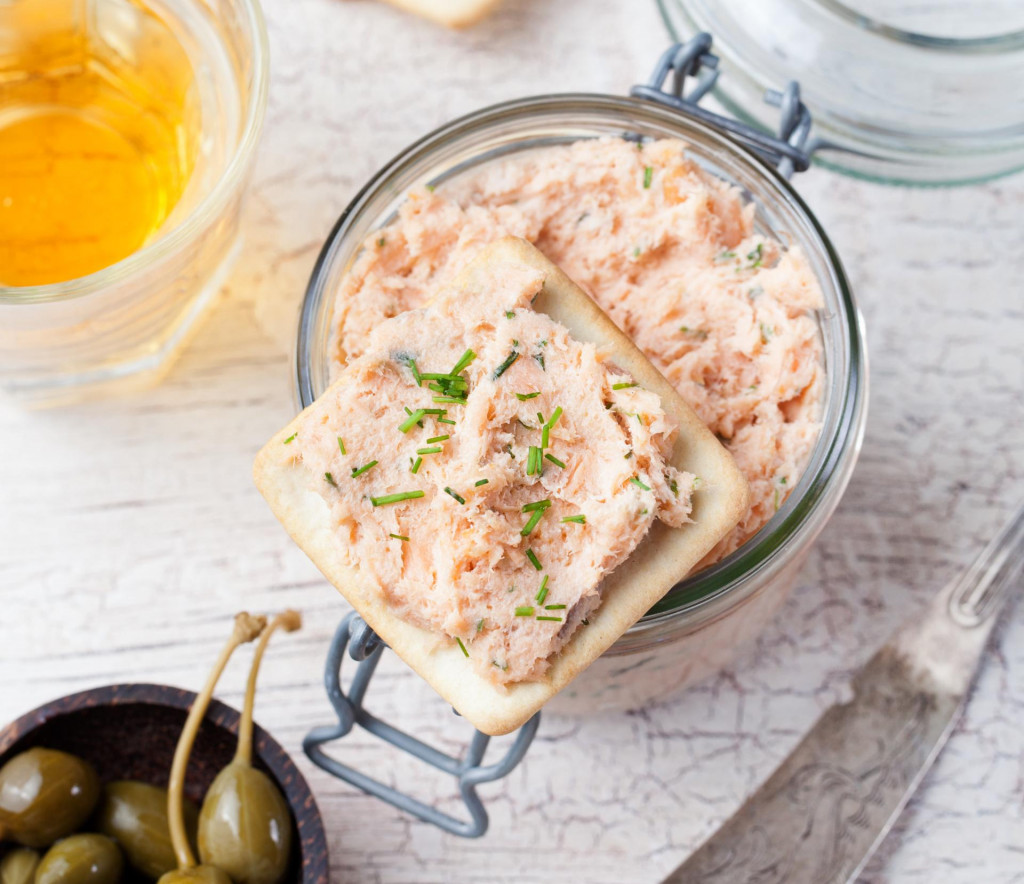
{"x": 19, "y": 866}
{"x": 195, "y": 875}
{"x": 245, "y": 827}
{"x": 44, "y": 795}
{"x": 134, "y": 814}
{"x": 81, "y": 859}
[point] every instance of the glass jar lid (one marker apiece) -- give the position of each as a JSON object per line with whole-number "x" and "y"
{"x": 904, "y": 92}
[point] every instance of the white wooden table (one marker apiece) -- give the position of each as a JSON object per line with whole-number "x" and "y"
{"x": 130, "y": 530}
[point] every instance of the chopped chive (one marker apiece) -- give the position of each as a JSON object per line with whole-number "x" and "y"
{"x": 640, "y": 484}
{"x": 434, "y": 411}
{"x": 381, "y": 242}
{"x": 398, "y": 536}
{"x": 414, "y": 418}
{"x": 544, "y": 440}
{"x": 396, "y": 498}
{"x": 540, "y": 360}
{"x": 415, "y": 371}
{"x": 532, "y": 556}
{"x": 290, "y": 439}
{"x": 533, "y": 462}
{"x": 341, "y": 445}
{"x": 506, "y": 365}
{"x": 648, "y": 175}
{"x": 449, "y": 399}
{"x": 445, "y": 420}
{"x": 431, "y": 187}
{"x": 524, "y": 611}
{"x": 552, "y": 619}
{"x": 434, "y": 449}
{"x": 510, "y": 314}
{"x": 330, "y": 480}
{"x": 555, "y": 415}
{"x": 455, "y": 494}
{"x": 558, "y": 463}
{"x": 480, "y": 624}
{"x": 532, "y": 523}
{"x": 358, "y": 471}
{"x": 464, "y": 361}
{"x": 542, "y": 593}
{"x": 416, "y": 466}
{"x": 674, "y": 487}
{"x": 522, "y": 397}
{"x": 462, "y": 647}
{"x": 480, "y": 482}
{"x": 580, "y": 519}
{"x": 540, "y": 419}
{"x": 536, "y": 505}
{"x": 622, "y": 386}
{"x": 554, "y": 607}
{"x": 433, "y": 439}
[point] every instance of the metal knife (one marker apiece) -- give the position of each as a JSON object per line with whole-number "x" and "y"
{"x": 822, "y": 814}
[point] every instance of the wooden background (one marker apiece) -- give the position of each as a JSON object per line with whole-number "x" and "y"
{"x": 130, "y": 530}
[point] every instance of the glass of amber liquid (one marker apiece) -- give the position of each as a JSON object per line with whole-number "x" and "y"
{"x": 127, "y": 129}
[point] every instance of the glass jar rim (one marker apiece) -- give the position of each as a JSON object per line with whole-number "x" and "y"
{"x": 842, "y": 423}
{"x": 206, "y": 208}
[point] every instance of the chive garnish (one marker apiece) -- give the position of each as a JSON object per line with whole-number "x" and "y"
{"x": 396, "y": 498}
{"x": 445, "y": 420}
{"x": 398, "y": 536}
{"x": 464, "y": 361}
{"x": 434, "y": 449}
{"x": 552, "y": 619}
{"x": 540, "y": 419}
{"x": 579, "y": 520}
{"x": 639, "y": 484}
{"x": 358, "y": 471}
{"x": 480, "y": 482}
{"x": 544, "y": 431}
{"x": 524, "y": 611}
{"x": 540, "y": 360}
{"x": 341, "y": 445}
{"x": 381, "y": 242}
{"x": 554, "y": 607}
{"x": 506, "y": 365}
{"x": 433, "y": 439}
{"x": 522, "y": 397}
{"x": 533, "y": 464}
{"x": 416, "y": 466}
{"x": 532, "y": 523}
{"x": 414, "y": 418}
{"x": 435, "y": 411}
{"x": 462, "y": 647}
{"x": 558, "y": 463}
{"x": 290, "y": 439}
{"x": 536, "y": 505}
{"x": 648, "y": 175}
{"x": 480, "y": 624}
{"x": 674, "y": 487}
{"x": 450, "y": 400}
{"x": 622, "y": 386}
{"x": 330, "y": 480}
{"x": 455, "y": 494}
{"x": 555, "y": 415}
{"x": 532, "y": 556}
{"x": 542, "y": 593}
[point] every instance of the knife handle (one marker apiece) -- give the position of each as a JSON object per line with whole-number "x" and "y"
{"x": 980, "y": 592}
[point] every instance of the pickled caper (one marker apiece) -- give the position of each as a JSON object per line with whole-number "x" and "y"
{"x": 19, "y": 866}
{"x": 81, "y": 859}
{"x": 134, "y": 814}
{"x": 245, "y": 630}
{"x": 245, "y": 827}
{"x": 44, "y": 795}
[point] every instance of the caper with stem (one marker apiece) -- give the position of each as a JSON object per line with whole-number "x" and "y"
{"x": 45, "y": 794}
{"x": 247, "y": 628}
{"x": 81, "y": 859}
{"x": 134, "y": 814}
{"x": 245, "y": 827}
{"x": 19, "y": 866}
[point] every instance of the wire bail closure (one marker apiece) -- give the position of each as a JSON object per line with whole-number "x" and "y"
{"x": 365, "y": 647}
{"x": 789, "y": 152}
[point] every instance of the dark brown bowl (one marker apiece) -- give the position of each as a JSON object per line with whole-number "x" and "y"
{"x": 129, "y": 731}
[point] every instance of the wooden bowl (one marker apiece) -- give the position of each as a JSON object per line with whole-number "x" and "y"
{"x": 129, "y": 731}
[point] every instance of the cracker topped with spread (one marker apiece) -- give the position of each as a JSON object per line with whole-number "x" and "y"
{"x": 501, "y": 484}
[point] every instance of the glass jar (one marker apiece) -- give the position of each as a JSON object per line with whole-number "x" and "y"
{"x": 701, "y": 622}
{"x": 123, "y": 324}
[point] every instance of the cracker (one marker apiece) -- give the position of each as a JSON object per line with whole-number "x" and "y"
{"x": 662, "y": 558}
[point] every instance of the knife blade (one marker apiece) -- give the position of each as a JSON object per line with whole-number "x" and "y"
{"x": 821, "y": 815}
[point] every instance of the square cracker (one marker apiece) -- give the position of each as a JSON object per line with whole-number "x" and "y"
{"x": 662, "y": 558}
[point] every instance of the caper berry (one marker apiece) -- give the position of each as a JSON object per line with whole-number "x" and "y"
{"x": 44, "y": 795}
{"x": 81, "y": 859}
{"x": 19, "y": 866}
{"x": 135, "y": 815}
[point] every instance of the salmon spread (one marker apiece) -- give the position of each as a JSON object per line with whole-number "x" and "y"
{"x": 485, "y": 470}
{"x": 668, "y": 251}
